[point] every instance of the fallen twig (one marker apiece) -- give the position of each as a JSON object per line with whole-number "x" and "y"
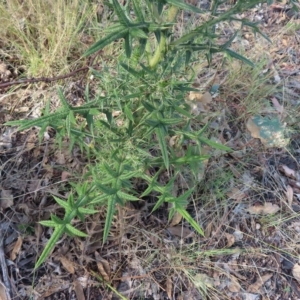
{"x": 3, "y": 266}
{"x": 43, "y": 79}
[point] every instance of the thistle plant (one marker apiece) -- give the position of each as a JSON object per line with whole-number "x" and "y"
{"x": 153, "y": 77}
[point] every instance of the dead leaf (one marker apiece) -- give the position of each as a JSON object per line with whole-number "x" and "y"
{"x": 296, "y": 272}
{"x": 65, "y": 175}
{"x": 236, "y": 194}
{"x": 181, "y": 231}
{"x": 169, "y": 286}
{"x": 3, "y": 294}
{"x": 202, "y": 281}
{"x": 176, "y": 219}
{"x": 67, "y": 264}
{"x": 6, "y": 199}
{"x": 230, "y": 239}
{"x": 289, "y": 194}
{"x": 103, "y": 267}
{"x": 276, "y": 105}
{"x": 287, "y": 171}
{"x": 267, "y": 208}
{"x": 261, "y": 280}
{"x": 16, "y": 248}
{"x": 60, "y": 158}
{"x": 78, "y": 290}
{"x": 38, "y": 230}
{"x": 269, "y": 130}
{"x": 233, "y": 285}
{"x": 199, "y": 102}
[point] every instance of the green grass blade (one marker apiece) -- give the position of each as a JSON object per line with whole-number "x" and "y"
{"x": 106, "y": 41}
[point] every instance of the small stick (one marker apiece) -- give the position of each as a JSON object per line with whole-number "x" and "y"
{"x": 3, "y": 266}
{"x": 44, "y": 79}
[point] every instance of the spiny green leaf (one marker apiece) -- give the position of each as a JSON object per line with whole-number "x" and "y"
{"x": 63, "y": 99}
{"x": 188, "y": 217}
{"x": 71, "y": 230}
{"x": 160, "y": 133}
{"x": 25, "y": 124}
{"x": 126, "y": 196}
{"x": 121, "y": 15}
{"x": 107, "y": 190}
{"x": 106, "y": 41}
{"x": 109, "y": 216}
{"x": 173, "y": 121}
{"x": 87, "y": 211}
{"x": 214, "y": 144}
{"x": 128, "y": 45}
{"x": 128, "y": 112}
{"x": 138, "y": 33}
{"x": 48, "y": 223}
{"x": 238, "y": 56}
{"x": 57, "y": 220}
{"x": 58, "y": 231}
{"x": 128, "y": 175}
{"x": 137, "y": 10}
{"x": 131, "y": 70}
{"x": 184, "y": 6}
{"x": 99, "y": 199}
{"x": 161, "y": 200}
{"x": 63, "y": 204}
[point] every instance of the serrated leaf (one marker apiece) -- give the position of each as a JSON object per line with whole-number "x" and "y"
{"x": 148, "y": 106}
{"x": 109, "y": 216}
{"x": 71, "y": 230}
{"x": 63, "y": 99}
{"x": 238, "y": 56}
{"x": 126, "y": 196}
{"x": 57, "y": 220}
{"x": 138, "y": 33}
{"x": 58, "y": 231}
{"x": 161, "y": 200}
{"x": 87, "y": 211}
{"x": 63, "y": 204}
{"x": 40, "y": 122}
{"x": 99, "y": 199}
{"x": 137, "y": 10}
{"x": 128, "y": 113}
{"x": 190, "y": 220}
{"x": 128, "y": 45}
{"x": 185, "y": 6}
{"x": 120, "y": 13}
{"x": 106, "y": 41}
{"x": 173, "y": 121}
{"x": 107, "y": 190}
{"x": 160, "y": 133}
{"x": 214, "y": 144}
{"x": 131, "y": 70}
{"x": 48, "y": 223}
